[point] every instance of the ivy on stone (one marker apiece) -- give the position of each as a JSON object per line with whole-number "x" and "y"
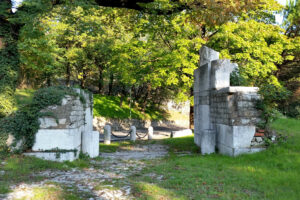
{"x": 24, "y": 123}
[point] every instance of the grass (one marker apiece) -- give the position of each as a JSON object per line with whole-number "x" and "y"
{"x": 109, "y": 107}
{"x": 50, "y": 192}
{"x": 272, "y": 174}
{"x": 18, "y": 169}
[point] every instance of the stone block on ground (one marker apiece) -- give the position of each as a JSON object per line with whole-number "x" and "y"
{"x": 181, "y": 133}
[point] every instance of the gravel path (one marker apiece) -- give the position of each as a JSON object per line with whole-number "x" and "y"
{"x": 105, "y": 178}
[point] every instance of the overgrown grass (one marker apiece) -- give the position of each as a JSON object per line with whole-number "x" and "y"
{"x": 272, "y": 174}
{"x": 109, "y": 107}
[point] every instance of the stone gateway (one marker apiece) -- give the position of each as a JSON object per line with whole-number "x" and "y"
{"x": 224, "y": 116}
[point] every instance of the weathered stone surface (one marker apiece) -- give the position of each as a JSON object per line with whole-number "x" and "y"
{"x": 49, "y": 139}
{"x": 47, "y": 122}
{"x": 90, "y": 143}
{"x": 208, "y": 142}
{"x": 207, "y": 55}
{"x": 220, "y": 73}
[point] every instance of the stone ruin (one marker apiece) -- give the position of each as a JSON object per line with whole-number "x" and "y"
{"x": 69, "y": 132}
{"x": 224, "y": 116}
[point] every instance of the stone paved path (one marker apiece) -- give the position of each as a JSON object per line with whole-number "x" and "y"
{"x": 105, "y": 179}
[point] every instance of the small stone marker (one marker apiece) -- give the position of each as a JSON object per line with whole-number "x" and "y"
{"x": 132, "y": 133}
{"x": 107, "y": 134}
{"x": 182, "y": 133}
{"x": 150, "y": 133}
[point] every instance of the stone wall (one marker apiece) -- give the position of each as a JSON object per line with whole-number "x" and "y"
{"x": 67, "y": 131}
{"x": 224, "y": 116}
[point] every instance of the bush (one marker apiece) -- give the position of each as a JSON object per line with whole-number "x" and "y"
{"x": 272, "y": 97}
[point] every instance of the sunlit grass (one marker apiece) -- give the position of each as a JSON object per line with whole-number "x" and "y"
{"x": 109, "y": 107}
{"x": 144, "y": 190}
{"x": 47, "y": 192}
{"x": 272, "y": 174}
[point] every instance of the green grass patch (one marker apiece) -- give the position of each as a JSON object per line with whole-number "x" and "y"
{"x": 272, "y": 174}
{"x": 109, "y": 107}
{"x": 286, "y": 126}
{"x": 115, "y": 146}
{"x": 181, "y": 144}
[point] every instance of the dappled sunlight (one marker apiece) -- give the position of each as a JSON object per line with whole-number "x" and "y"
{"x": 154, "y": 191}
{"x": 250, "y": 169}
{"x": 36, "y": 192}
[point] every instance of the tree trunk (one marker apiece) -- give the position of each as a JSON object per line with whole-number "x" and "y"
{"x": 68, "y": 74}
{"x": 192, "y": 111}
{"x": 83, "y": 80}
{"x": 110, "y": 85}
{"x": 100, "y": 83}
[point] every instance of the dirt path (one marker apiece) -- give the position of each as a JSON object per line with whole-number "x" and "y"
{"x": 106, "y": 178}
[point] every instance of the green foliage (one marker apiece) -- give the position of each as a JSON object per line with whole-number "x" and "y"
{"x": 272, "y": 96}
{"x": 257, "y": 48}
{"x": 8, "y": 68}
{"x": 24, "y": 123}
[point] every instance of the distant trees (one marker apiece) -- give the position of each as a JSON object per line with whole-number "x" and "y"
{"x": 148, "y": 47}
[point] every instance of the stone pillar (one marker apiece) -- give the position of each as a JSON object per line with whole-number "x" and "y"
{"x": 90, "y": 143}
{"x": 90, "y": 138}
{"x": 107, "y": 134}
{"x": 202, "y": 87}
{"x": 132, "y": 133}
{"x": 150, "y": 133}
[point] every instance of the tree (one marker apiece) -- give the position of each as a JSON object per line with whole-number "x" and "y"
{"x": 199, "y": 12}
